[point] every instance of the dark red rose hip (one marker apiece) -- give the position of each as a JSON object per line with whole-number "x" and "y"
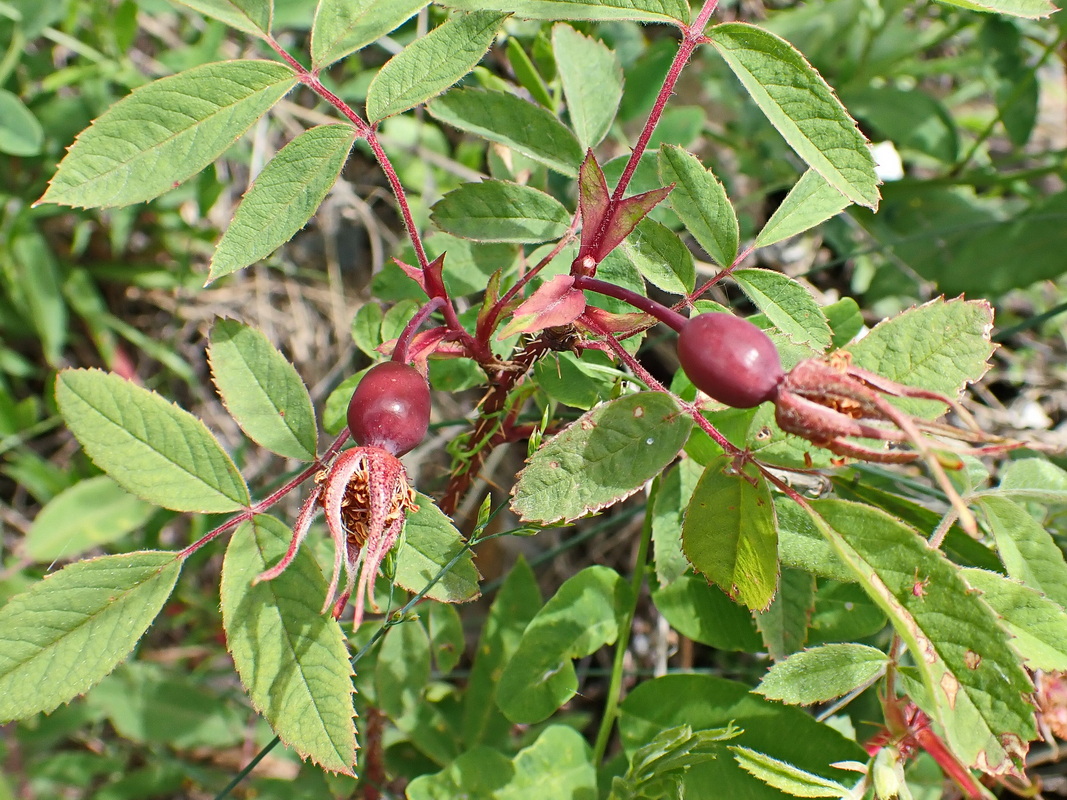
{"x": 730, "y": 359}
{"x": 390, "y": 408}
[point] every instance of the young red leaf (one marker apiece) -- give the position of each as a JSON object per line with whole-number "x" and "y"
{"x": 556, "y": 302}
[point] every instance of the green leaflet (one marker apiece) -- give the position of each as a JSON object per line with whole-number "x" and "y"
{"x": 1031, "y": 9}
{"x": 603, "y": 457}
{"x": 822, "y": 673}
{"x": 592, "y": 83}
{"x": 799, "y": 103}
{"x": 250, "y": 16}
{"x": 70, "y": 630}
{"x": 165, "y": 132}
{"x": 581, "y": 618}
{"x": 148, "y": 446}
{"x": 729, "y": 533}
{"x": 90, "y": 513}
{"x": 430, "y": 542}
{"x": 1037, "y": 624}
{"x": 788, "y": 305}
{"x": 661, "y": 257}
{"x": 792, "y": 780}
{"x": 810, "y": 202}
{"x": 283, "y": 197}
{"x": 511, "y": 121}
{"x": 1028, "y": 551}
{"x": 974, "y": 682}
{"x": 941, "y": 345}
{"x": 291, "y": 657}
{"x": 500, "y": 211}
{"x": 20, "y": 132}
{"x": 342, "y": 27}
{"x": 701, "y": 203}
{"x": 262, "y": 390}
{"x": 431, "y": 64}
{"x": 640, "y": 10}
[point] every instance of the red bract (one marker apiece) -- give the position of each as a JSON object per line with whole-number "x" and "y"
{"x": 729, "y": 359}
{"x": 390, "y": 408}
{"x": 366, "y": 496}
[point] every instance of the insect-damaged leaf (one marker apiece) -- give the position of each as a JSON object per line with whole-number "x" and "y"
{"x": 605, "y": 456}
{"x": 974, "y": 682}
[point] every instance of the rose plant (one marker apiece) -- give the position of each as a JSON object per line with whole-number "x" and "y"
{"x": 748, "y": 467}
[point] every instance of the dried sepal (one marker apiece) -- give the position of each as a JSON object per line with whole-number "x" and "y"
{"x": 829, "y": 402}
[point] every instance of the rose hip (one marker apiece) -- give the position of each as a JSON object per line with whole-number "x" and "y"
{"x": 390, "y": 408}
{"x": 730, "y": 359}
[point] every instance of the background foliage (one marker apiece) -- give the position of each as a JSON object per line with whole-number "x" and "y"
{"x": 598, "y": 661}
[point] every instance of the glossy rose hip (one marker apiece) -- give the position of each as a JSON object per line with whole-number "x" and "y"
{"x": 730, "y": 359}
{"x": 390, "y": 408}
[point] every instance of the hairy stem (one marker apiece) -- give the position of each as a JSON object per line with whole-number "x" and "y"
{"x": 258, "y": 508}
{"x": 665, "y": 315}
{"x": 692, "y": 36}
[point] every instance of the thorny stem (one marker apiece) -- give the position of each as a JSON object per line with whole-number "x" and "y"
{"x": 692, "y": 36}
{"x": 665, "y": 315}
{"x": 611, "y": 707}
{"x": 258, "y": 508}
{"x": 403, "y": 344}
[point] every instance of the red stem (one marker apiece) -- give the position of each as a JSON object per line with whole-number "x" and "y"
{"x": 403, "y": 344}
{"x": 258, "y": 508}
{"x": 665, "y": 315}
{"x": 692, "y": 35}
{"x": 368, "y": 132}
